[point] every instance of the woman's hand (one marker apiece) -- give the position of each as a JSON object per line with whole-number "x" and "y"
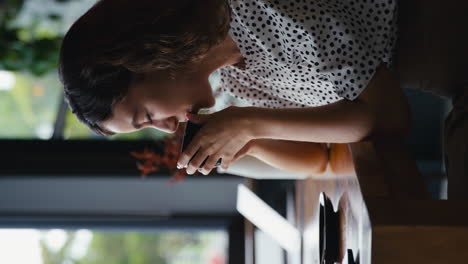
{"x": 225, "y": 134}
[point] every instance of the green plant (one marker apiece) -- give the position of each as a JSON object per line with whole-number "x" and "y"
{"x": 22, "y": 51}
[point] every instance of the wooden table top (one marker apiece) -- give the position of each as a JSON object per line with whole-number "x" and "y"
{"x": 378, "y": 196}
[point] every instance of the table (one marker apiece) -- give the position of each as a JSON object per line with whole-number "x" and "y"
{"x": 380, "y": 212}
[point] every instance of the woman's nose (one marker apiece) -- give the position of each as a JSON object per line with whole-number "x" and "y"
{"x": 172, "y": 124}
{"x": 168, "y": 125}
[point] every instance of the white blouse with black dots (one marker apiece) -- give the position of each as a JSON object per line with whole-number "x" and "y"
{"x": 307, "y": 53}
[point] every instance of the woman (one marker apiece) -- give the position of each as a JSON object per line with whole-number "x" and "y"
{"x": 314, "y": 72}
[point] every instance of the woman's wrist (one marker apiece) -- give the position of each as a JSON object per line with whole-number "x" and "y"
{"x": 258, "y": 120}
{"x": 251, "y": 148}
{"x": 254, "y": 147}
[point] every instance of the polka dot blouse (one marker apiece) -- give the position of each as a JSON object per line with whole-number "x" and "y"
{"x": 307, "y": 53}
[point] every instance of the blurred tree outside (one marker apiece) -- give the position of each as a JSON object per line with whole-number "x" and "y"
{"x": 32, "y": 30}
{"x": 140, "y": 248}
{"x": 29, "y": 108}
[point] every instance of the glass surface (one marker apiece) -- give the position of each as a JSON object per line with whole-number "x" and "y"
{"x": 83, "y": 246}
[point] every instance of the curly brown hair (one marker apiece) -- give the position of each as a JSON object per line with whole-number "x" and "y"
{"x": 117, "y": 39}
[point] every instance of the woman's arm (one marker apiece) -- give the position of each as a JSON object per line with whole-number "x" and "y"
{"x": 301, "y": 157}
{"x": 380, "y": 110}
{"x": 340, "y": 159}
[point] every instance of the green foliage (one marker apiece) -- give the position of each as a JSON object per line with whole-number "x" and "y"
{"x": 148, "y": 247}
{"x": 21, "y": 50}
{"x": 50, "y": 257}
{"x": 31, "y": 105}
{"x": 9, "y": 9}
{"x": 135, "y": 248}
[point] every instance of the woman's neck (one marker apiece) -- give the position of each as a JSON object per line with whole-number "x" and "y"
{"x": 224, "y": 54}
{"x": 232, "y": 52}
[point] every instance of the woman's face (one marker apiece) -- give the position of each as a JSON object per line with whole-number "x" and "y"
{"x": 160, "y": 102}
{"x": 157, "y": 101}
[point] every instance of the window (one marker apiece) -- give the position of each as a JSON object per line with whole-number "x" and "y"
{"x": 94, "y": 246}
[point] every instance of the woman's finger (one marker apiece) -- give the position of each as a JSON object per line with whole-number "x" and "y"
{"x": 210, "y": 164}
{"x": 198, "y": 159}
{"x": 224, "y": 165}
{"x": 192, "y": 148}
{"x": 197, "y": 119}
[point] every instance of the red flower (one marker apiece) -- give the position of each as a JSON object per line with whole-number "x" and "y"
{"x": 150, "y": 161}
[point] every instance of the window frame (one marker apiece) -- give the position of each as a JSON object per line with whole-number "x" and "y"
{"x": 233, "y": 224}
{"x": 83, "y": 158}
